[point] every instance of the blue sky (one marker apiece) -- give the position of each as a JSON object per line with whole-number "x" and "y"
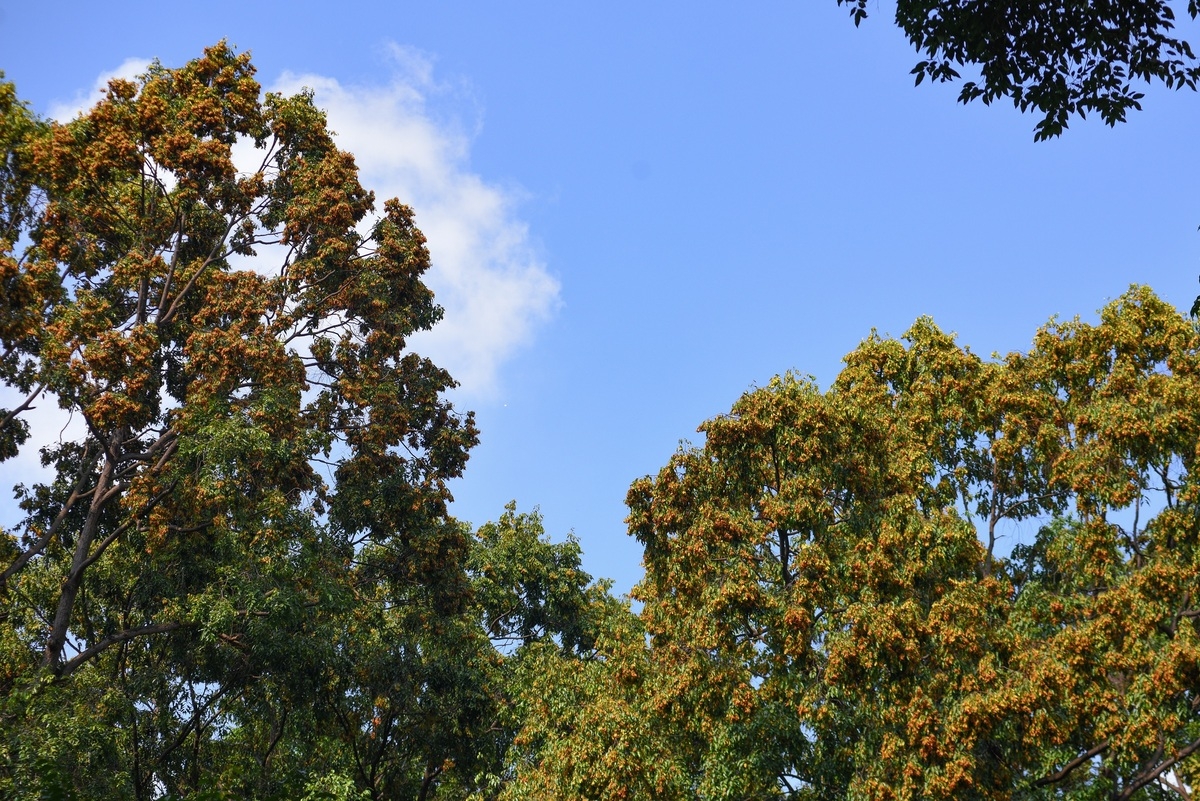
{"x": 639, "y": 212}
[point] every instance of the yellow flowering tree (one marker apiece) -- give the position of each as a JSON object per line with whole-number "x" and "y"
{"x": 827, "y": 612}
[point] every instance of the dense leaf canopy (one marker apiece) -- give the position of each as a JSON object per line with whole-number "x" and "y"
{"x": 236, "y": 575}
{"x": 240, "y": 575}
{"x": 827, "y": 616}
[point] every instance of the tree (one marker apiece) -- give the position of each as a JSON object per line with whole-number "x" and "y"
{"x": 535, "y": 604}
{"x": 826, "y": 612}
{"x": 258, "y": 457}
{"x": 437, "y": 693}
{"x": 1059, "y": 59}
{"x": 590, "y": 726}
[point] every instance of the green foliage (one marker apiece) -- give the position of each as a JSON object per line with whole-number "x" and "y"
{"x": 333, "y": 787}
{"x": 591, "y": 727}
{"x": 530, "y": 588}
{"x": 241, "y": 580}
{"x": 190, "y": 607}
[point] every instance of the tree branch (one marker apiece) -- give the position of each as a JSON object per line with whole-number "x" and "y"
{"x": 25, "y": 405}
{"x": 1156, "y": 771}
{"x": 119, "y": 530}
{"x": 44, "y": 540}
{"x": 1070, "y": 766}
{"x": 74, "y": 663}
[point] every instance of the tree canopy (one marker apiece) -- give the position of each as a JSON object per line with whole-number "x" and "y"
{"x": 240, "y": 578}
{"x": 827, "y": 614}
{"x": 236, "y": 575}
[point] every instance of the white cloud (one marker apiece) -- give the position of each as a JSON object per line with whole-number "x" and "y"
{"x": 486, "y": 272}
{"x": 67, "y": 110}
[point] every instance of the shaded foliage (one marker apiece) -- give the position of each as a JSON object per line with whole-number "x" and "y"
{"x": 1058, "y": 59}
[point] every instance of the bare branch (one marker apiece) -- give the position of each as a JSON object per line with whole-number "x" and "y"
{"x": 76, "y": 495}
{"x": 25, "y": 405}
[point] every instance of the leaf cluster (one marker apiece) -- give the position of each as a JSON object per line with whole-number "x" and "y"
{"x": 1058, "y": 59}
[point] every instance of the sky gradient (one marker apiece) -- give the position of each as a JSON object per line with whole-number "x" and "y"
{"x": 636, "y": 214}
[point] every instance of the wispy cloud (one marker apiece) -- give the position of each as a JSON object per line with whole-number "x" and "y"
{"x": 486, "y": 272}
{"x": 65, "y": 110}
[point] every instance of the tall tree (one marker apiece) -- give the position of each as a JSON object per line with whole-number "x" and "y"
{"x": 827, "y": 615}
{"x": 253, "y": 455}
